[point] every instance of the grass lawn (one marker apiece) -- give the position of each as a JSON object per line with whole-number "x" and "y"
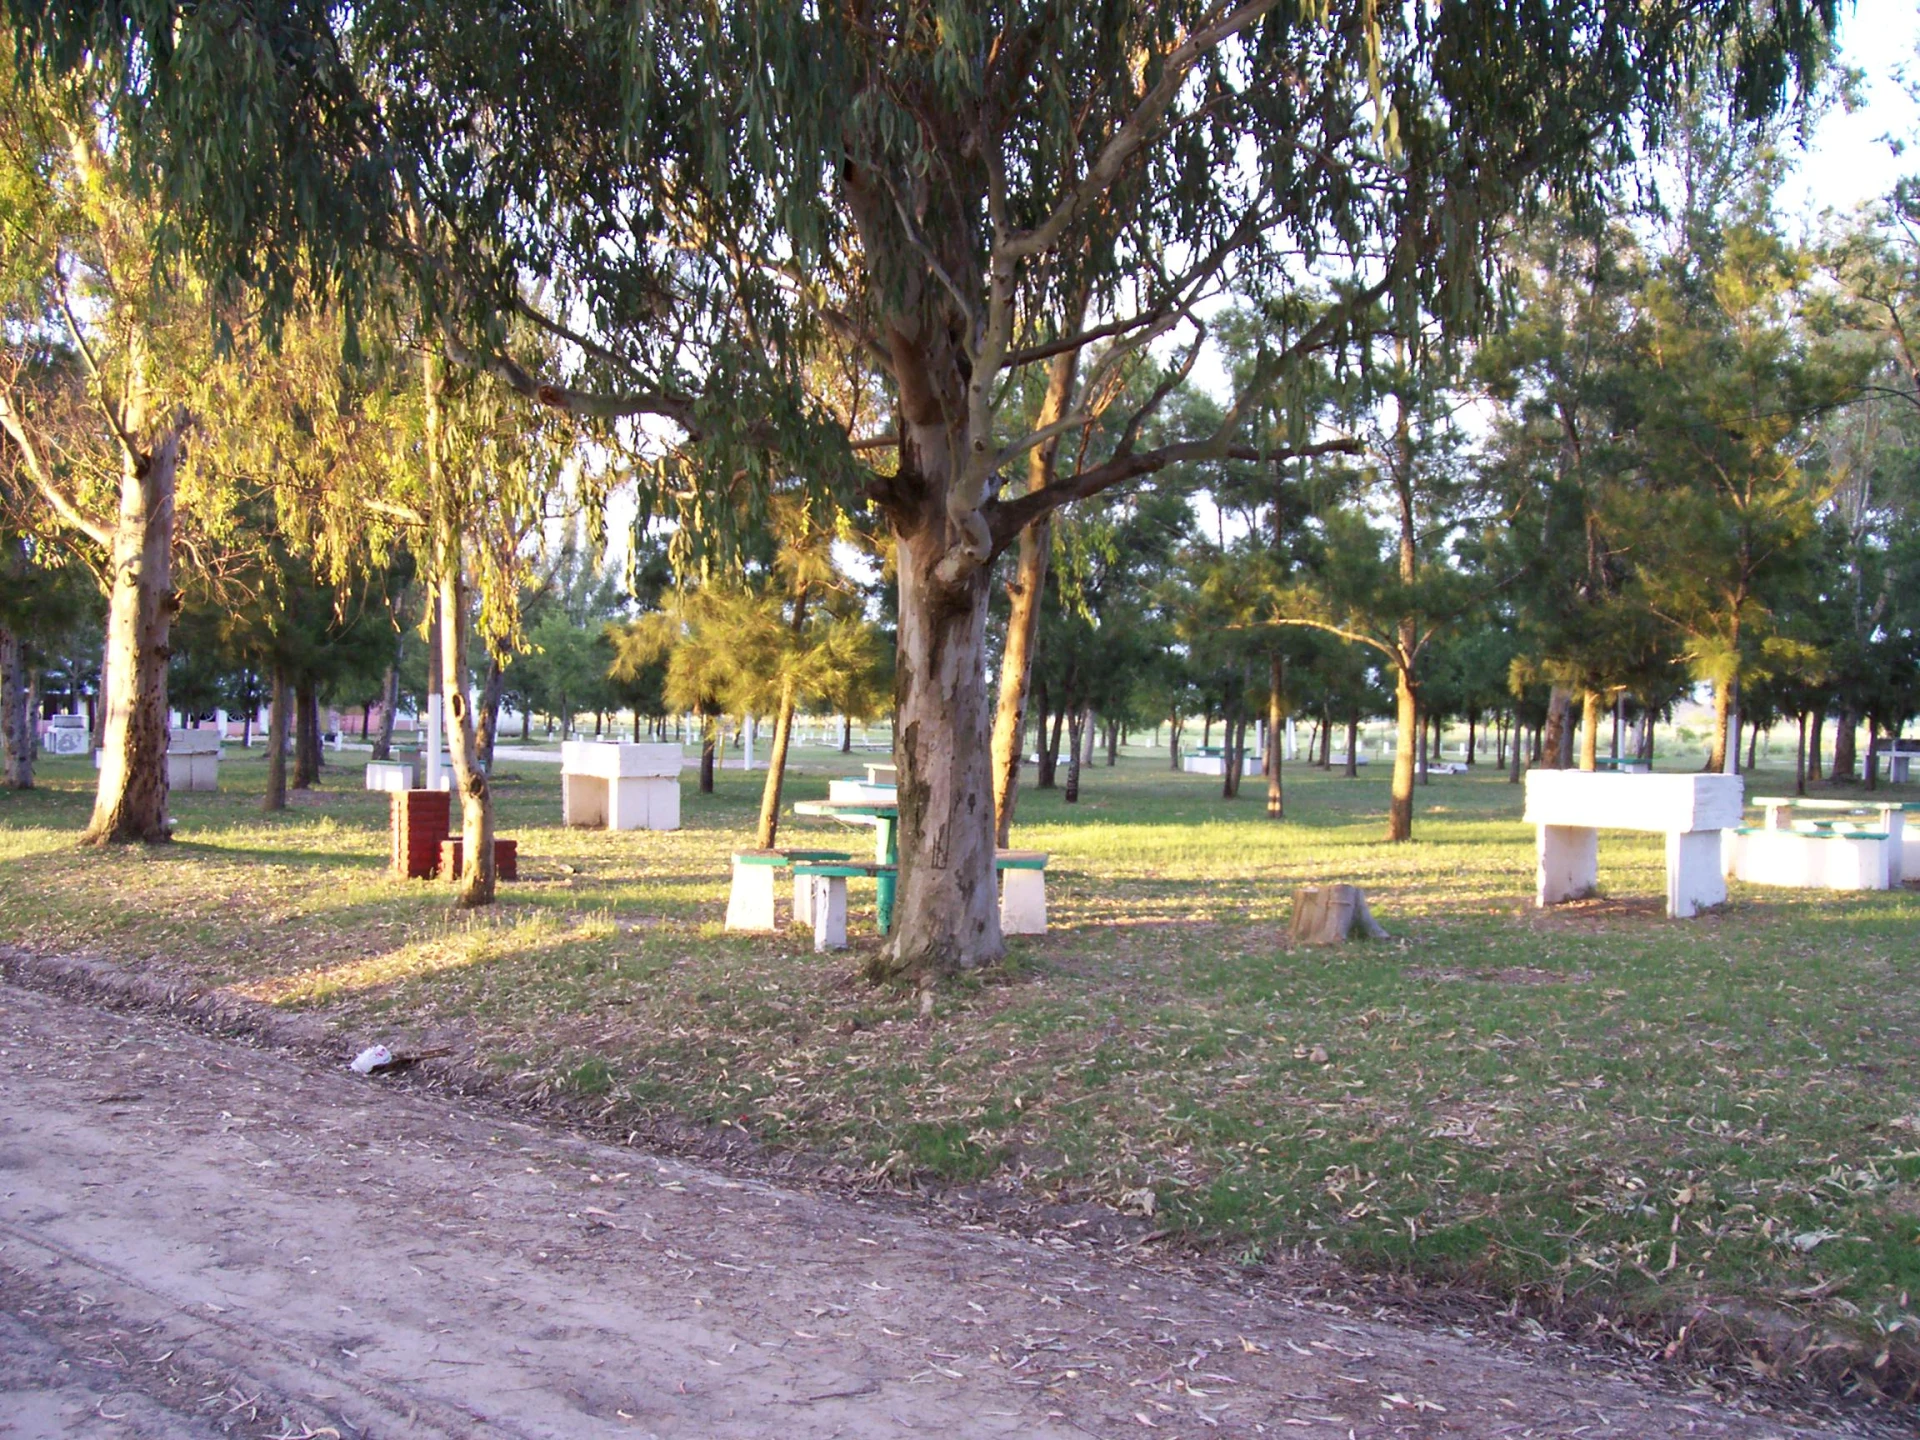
{"x": 1591, "y": 1106}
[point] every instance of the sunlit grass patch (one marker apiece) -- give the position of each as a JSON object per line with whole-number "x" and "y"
{"x": 1587, "y": 1102}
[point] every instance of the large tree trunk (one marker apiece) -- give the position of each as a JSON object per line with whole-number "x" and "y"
{"x": 1590, "y": 730}
{"x": 1024, "y": 593}
{"x": 1406, "y": 710}
{"x": 278, "y": 703}
{"x": 16, "y": 724}
{"x": 389, "y": 703}
{"x": 131, "y": 802}
{"x": 1276, "y": 717}
{"x": 947, "y": 916}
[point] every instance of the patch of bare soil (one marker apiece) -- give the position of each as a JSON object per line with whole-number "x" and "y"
{"x": 380, "y": 1257}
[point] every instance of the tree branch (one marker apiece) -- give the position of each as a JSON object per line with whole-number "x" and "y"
{"x": 15, "y": 426}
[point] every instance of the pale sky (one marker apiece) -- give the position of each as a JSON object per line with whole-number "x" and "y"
{"x": 1849, "y": 161}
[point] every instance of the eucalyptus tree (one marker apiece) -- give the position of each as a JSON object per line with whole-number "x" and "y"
{"x": 934, "y": 179}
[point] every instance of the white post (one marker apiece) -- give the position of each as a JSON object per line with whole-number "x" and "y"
{"x": 746, "y": 742}
{"x": 431, "y": 742}
{"x": 1293, "y": 740}
{"x": 220, "y": 725}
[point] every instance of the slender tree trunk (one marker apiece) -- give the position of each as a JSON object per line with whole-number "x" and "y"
{"x": 477, "y": 879}
{"x": 389, "y": 704}
{"x": 1352, "y": 769}
{"x": 1724, "y": 704}
{"x": 1406, "y": 705}
{"x": 1076, "y": 726}
{"x": 1175, "y": 725}
{"x": 1426, "y": 750}
{"x": 1276, "y": 717}
{"x": 846, "y": 734}
{"x": 1024, "y": 593}
{"x": 131, "y": 801}
{"x": 1500, "y": 742}
{"x": 526, "y": 723}
{"x": 1800, "y": 757}
{"x": 1473, "y": 735}
{"x": 306, "y": 735}
{"x": 1206, "y": 728}
{"x": 947, "y": 915}
{"x": 1590, "y": 730}
{"x": 279, "y": 702}
{"x": 1048, "y": 776}
{"x": 1557, "y": 744}
{"x": 1516, "y": 746}
{"x": 709, "y": 745}
{"x": 768, "y": 829}
{"x": 1113, "y": 743}
{"x": 16, "y": 726}
{"x": 1813, "y": 743}
{"x": 1873, "y": 755}
{"x": 489, "y": 719}
{"x": 1753, "y": 745}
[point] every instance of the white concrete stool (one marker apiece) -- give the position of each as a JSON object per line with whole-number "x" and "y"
{"x": 1023, "y": 891}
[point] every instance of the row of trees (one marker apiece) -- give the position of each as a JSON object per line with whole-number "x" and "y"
{"x": 947, "y": 266}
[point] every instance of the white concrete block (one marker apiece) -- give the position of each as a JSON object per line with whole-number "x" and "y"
{"x": 1660, "y": 803}
{"x": 803, "y": 888}
{"x": 1023, "y": 902}
{"x": 750, "y": 902}
{"x": 1568, "y": 863}
{"x": 389, "y": 775}
{"x": 1695, "y": 879}
{"x": 829, "y": 912}
{"x": 621, "y": 786}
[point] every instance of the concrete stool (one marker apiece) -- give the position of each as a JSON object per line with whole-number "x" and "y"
{"x": 1023, "y": 891}
{"x": 750, "y": 901}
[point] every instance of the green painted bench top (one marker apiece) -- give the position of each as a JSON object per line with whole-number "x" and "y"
{"x": 844, "y": 867}
{"x": 1020, "y": 860}
{"x": 779, "y": 858}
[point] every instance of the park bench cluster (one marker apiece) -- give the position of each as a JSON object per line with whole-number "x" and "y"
{"x": 820, "y": 876}
{"x": 1824, "y": 844}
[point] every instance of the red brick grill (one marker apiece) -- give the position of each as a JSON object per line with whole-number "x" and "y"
{"x": 420, "y": 823}
{"x": 506, "y": 859}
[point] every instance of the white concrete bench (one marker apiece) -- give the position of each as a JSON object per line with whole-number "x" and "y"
{"x": 193, "y": 760}
{"x": 620, "y": 786}
{"x": 1569, "y": 809}
{"x": 1810, "y": 859}
{"x": 389, "y": 775}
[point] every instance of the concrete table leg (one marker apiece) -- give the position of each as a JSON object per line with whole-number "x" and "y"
{"x": 803, "y": 900}
{"x": 750, "y": 903}
{"x": 1569, "y": 863}
{"x": 1694, "y": 878}
{"x": 1023, "y": 902}
{"x": 830, "y": 913}
{"x": 1896, "y": 828}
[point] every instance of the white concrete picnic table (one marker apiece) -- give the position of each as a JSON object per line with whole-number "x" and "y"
{"x": 1890, "y": 815}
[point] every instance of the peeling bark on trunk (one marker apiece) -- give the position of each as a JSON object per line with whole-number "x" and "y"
{"x": 1590, "y": 731}
{"x": 278, "y": 702}
{"x": 16, "y": 728}
{"x": 131, "y": 802}
{"x": 947, "y": 914}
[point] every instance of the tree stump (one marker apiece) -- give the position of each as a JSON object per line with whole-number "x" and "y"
{"x": 1331, "y": 914}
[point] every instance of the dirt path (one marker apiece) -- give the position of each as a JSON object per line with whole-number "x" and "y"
{"x": 198, "y": 1237}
